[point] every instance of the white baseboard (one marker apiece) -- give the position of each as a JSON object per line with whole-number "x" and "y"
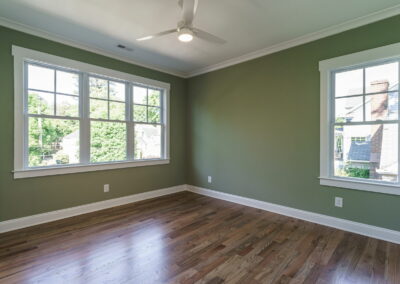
{"x": 28, "y": 221}
{"x": 342, "y": 224}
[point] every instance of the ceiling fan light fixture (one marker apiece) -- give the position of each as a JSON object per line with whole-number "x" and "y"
{"x": 185, "y": 35}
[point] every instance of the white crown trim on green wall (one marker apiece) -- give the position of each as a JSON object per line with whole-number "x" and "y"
{"x": 354, "y": 23}
{"x": 57, "y": 38}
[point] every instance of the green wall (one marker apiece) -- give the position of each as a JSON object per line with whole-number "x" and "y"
{"x": 254, "y": 127}
{"x": 23, "y": 197}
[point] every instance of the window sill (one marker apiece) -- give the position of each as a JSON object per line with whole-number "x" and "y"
{"x": 60, "y": 170}
{"x": 388, "y": 188}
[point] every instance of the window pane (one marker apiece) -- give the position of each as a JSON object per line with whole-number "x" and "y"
{"x": 382, "y": 78}
{"x": 349, "y": 109}
{"x": 366, "y": 151}
{"x": 139, "y": 95}
{"x": 140, "y": 113}
{"x": 117, "y": 91}
{"x": 153, "y": 114}
{"x": 381, "y": 106}
{"x": 154, "y": 97}
{"x": 53, "y": 141}
{"x": 107, "y": 141}
{"x": 67, "y": 83}
{"x": 40, "y": 78}
{"x": 40, "y": 103}
{"x": 147, "y": 141}
{"x": 349, "y": 83}
{"x": 117, "y": 111}
{"x": 98, "y": 109}
{"x": 98, "y": 88}
{"x": 67, "y": 105}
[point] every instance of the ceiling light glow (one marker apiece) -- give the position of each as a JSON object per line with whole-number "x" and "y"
{"x": 185, "y": 35}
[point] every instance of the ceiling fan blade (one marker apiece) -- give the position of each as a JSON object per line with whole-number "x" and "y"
{"x": 207, "y": 36}
{"x": 188, "y": 10}
{"x": 157, "y": 35}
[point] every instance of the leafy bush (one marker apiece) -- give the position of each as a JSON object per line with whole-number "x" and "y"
{"x": 357, "y": 172}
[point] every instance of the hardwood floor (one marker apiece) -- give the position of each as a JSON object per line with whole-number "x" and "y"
{"x": 188, "y": 238}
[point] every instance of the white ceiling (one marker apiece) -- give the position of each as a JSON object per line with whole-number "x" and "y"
{"x": 248, "y": 26}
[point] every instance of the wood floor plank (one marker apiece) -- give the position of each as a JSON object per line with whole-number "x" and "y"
{"x": 189, "y": 238}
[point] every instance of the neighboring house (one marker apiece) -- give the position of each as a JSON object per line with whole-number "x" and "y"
{"x": 68, "y": 147}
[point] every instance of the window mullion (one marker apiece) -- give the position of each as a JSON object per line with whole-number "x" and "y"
{"x": 398, "y": 124}
{"x": 55, "y": 92}
{"x": 108, "y": 99}
{"x": 162, "y": 120}
{"x": 364, "y": 115}
{"x": 25, "y": 142}
{"x": 332, "y": 117}
{"x": 129, "y": 124}
{"x": 84, "y": 120}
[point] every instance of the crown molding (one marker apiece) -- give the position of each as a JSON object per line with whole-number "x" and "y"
{"x": 355, "y": 23}
{"x": 57, "y": 38}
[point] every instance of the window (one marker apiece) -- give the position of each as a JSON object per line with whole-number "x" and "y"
{"x": 72, "y": 117}
{"x": 360, "y": 120}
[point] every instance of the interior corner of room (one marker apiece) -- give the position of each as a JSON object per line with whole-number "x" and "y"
{"x": 197, "y": 122}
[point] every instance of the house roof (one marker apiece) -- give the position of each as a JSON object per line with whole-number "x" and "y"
{"x": 359, "y": 151}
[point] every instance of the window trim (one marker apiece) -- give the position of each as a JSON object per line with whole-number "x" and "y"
{"x": 326, "y": 68}
{"x": 21, "y": 55}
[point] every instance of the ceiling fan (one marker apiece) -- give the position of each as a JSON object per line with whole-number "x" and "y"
{"x": 185, "y": 29}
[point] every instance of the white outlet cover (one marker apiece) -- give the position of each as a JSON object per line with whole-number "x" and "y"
{"x": 209, "y": 179}
{"x": 106, "y": 188}
{"x": 338, "y": 201}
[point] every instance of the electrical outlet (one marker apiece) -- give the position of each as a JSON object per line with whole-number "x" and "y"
{"x": 209, "y": 179}
{"x": 106, "y": 188}
{"x": 338, "y": 201}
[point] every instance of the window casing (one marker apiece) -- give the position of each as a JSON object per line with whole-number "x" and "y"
{"x": 360, "y": 123}
{"x": 75, "y": 117}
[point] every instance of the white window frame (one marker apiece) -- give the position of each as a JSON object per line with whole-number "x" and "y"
{"x": 327, "y": 69}
{"x": 21, "y": 56}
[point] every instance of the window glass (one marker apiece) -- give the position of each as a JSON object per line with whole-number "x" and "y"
{"x": 107, "y": 99}
{"x": 349, "y": 109}
{"x": 53, "y": 141}
{"x": 107, "y": 141}
{"x": 154, "y": 97}
{"x": 40, "y": 78}
{"x": 98, "y": 88}
{"x": 67, "y": 83}
{"x": 349, "y": 83}
{"x": 98, "y": 109}
{"x": 117, "y": 91}
{"x": 365, "y": 138}
{"x": 366, "y": 151}
{"x": 40, "y": 103}
{"x": 139, "y": 95}
{"x": 117, "y": 111}
{"x": 67, "y": 105}
{"x": 382, "y": 78}
{"x": 381, "y": 106}
{"x": 147, "y": 104}
{"x": 147, "y": 141}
